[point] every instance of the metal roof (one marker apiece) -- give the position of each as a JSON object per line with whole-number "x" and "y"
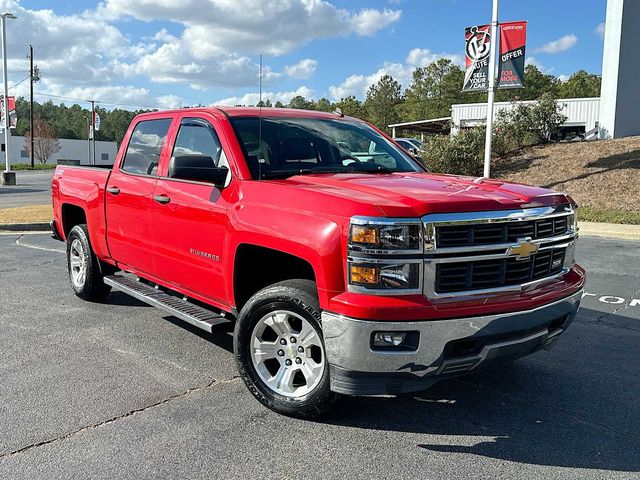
{"x": 433, "y": 125}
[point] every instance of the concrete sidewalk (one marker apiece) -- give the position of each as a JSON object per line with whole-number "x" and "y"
{"x": 612, "y": 230}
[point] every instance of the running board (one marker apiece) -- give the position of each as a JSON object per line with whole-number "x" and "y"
{"x": 190, "y": 313}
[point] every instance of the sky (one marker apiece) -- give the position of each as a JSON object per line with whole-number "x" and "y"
{"x": 173, "y": 53}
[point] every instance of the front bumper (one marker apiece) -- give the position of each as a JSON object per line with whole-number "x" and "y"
{"x": 446, "y": 348}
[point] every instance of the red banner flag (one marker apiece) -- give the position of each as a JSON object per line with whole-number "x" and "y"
{"x": 513, "y": 37}
{"x": 477, "y": 51}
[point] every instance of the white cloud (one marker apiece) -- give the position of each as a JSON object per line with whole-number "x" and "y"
{"x": 534, "y": 61}
{"x": 215, "y": 43}
{"x": 253, "y": 98}
{"x": 563, "y": 78}
{"x": 214, "y": 27}
{"x": 303, "y": 70}
{"x": 600, "y": 29}
{"x": 358, "y": 85}
{"x": 369, "y": 21}
{"x": 560, "y": 45}
{"x": 421, "y": 57}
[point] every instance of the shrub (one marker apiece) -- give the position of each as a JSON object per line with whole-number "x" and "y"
{"x": 520, "y": 127}
{"x": 526, "y": 125}
{"x": 37, "y": 166}
{"x": 461, "y": 154}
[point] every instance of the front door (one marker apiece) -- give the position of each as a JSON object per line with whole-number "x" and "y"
{"x": 129, "y": 197}
{"x": 190, "y": 218}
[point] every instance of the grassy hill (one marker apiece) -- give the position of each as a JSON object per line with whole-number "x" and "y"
{"x": 603, "y": 176}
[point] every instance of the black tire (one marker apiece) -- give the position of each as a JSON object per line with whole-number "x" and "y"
{"x": 93, "y": 288}
{"x": 299, "y": 297}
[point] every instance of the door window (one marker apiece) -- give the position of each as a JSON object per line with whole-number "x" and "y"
{"x": 145, "y": 146}
{"x": 197, "y": 137}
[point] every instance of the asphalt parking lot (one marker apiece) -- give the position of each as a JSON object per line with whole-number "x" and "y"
{"x": 117, "y": 390}
{"x": 33, "y": 188}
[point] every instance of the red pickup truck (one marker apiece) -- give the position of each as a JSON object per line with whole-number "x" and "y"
{"x": 346, "y": 267}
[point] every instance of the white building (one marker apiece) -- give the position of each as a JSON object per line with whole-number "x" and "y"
{"x": 70, "y": 150}
{"x": 582, "y": 114}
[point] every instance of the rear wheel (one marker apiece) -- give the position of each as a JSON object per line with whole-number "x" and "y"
{"x": 280, "y": 352}
{"x": 84, "y": 268}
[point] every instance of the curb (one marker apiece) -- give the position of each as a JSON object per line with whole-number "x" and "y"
{"x": 610, "y": 230}
{"x": 25, "y": 227}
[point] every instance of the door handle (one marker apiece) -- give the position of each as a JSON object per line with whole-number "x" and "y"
{"x": 163, "y": 199}
{"x": 113, "y": 190}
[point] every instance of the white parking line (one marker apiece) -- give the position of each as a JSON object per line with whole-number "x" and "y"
{"x": 34, "y": 247}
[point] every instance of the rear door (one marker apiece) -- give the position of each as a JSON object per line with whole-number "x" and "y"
{"x": 190, "y": 220}
{"x": 129, "y": 197}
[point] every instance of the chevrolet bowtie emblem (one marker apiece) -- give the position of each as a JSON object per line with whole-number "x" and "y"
{"x": 524, "y": 249}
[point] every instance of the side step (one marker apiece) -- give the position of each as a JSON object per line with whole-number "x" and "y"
{"x": 193, "y": 314}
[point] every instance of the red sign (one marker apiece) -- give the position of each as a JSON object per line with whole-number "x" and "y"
{"x": 513, "y": 38}
{"x": 13, "y": 118}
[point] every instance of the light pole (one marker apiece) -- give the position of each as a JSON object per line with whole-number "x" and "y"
{"x": 8, "y": 177}
{"x": 492, "y": 90}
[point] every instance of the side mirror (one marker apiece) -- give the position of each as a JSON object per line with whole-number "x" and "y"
{"x": 199, "y": 168}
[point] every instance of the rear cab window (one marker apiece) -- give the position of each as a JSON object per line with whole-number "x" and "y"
{"x": 145, "y": 146}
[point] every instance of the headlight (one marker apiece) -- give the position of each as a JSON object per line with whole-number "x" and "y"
{"x": 392, "y": 276}
{"x": 388, "y": 237}
{"x": 384, "y": 256}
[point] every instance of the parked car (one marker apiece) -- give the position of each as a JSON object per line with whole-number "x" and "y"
{"x": 411, "y": 145}
{"x": 344, "y": 266}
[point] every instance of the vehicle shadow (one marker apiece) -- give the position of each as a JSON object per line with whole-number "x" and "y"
{"x": 221, "y": 337}
{"x": 123, "y": 300}
{"x": 542, "y": 411}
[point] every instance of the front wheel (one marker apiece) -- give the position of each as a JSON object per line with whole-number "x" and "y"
{"x": 280, "y": 352}
{"x": 84, "y": 268}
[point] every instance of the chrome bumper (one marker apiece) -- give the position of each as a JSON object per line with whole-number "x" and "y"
{"x": 445, "y": 348}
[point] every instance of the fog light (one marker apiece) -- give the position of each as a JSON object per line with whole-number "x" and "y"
{"x": 395, "y": 341}
{"x": 389, "y": 339}
{"x": 364, "y": 275}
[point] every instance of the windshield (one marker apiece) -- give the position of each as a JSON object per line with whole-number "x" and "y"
{"x": 279, "y": 147}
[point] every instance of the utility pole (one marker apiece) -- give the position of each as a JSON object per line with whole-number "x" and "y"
{"x": 8, "y": 177}
{"x": 34, "y": 76}
{"x": 88, "y": 140}
{"x": 492, "y": 90}
{"x": 93, "y": 130}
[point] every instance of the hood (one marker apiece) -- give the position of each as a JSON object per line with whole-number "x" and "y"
{"x": 417, "y": 194}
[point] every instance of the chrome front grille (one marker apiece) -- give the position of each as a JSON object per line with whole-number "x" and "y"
{"x": 486, "y": 234}
{"x": 483, "y": 274}
{"x": 492, "y": 252}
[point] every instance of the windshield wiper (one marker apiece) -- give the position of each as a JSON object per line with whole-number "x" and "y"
{"x": 376, "y": 169}
{"x": 300, "y": 171}
{"x": 335, "y": 169}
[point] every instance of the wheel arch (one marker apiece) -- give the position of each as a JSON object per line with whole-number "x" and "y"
{"x": 72, "y": 215}
{"x": 257, "y": 266}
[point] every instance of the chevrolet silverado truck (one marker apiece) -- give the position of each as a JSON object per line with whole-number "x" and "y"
{"x": 343, "y": 265}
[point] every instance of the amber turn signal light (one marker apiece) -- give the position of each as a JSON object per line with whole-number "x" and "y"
{"x": 364, "y": 234}
{"x": 364, "y": 275}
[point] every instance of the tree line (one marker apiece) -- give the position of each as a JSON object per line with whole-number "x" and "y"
{"x": 72, "y": 122}
{"x": 434, "y": 88}
{"x": 430, "y": 94}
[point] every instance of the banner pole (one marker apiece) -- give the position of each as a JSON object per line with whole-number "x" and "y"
{"x": 491, "y": 89}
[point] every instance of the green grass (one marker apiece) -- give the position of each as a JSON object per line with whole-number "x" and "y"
{"x": 608, "y": 215}
{"x": 37, "y": 166}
